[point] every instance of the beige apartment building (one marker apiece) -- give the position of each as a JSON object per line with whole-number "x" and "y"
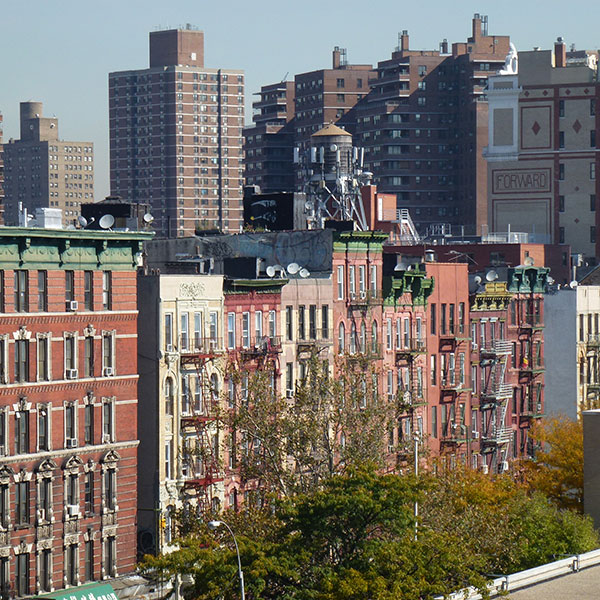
{"x": 43, "y": 171}
{"x": 542, "y": 153}
{"x": 182, "y": 365}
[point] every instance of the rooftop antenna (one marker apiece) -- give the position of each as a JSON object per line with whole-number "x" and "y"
{"x": 285, "y": 77}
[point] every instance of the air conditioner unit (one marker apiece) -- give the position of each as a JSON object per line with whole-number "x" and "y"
{"x": 289, "y": 393}
{"x": 539, "y": 407}
{"x": 108, "y": 371}
{"x": 213, "y": 344}
{"x": 474, "y": 346}
{"x": 504, "y": 466}
{"x": 106, "y": 438}
{"x": 73, "y": 510}
{"x": 71, "y": 373}
{"x": 72, "y": 305}
{"x": 71, "y": 442}
{"x": 476, "y": 435}
{"x": 42, "y": 514}
{"x": 363, "y": 294}
{"x": 484, "y": 469}
{"x": 170, "y": 348}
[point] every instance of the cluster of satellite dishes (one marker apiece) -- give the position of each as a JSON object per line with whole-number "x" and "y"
{"x": 477, "y": 280}
{"x": 107, "y": 221}
{"x": 292, "y": 269}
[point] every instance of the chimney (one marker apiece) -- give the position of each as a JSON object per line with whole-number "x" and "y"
{"x": 476, "y": 26}
{"x": 560, "y": 53}
{"x": 444, "y": 46}
{"x": 404, "y": 40}
{"x": 336, "y": 57}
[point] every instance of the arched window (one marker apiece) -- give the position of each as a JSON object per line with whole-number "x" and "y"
{"x": 342, "y": 338}
{"x": 214, "y": 387}
{"x": 353, "y": 339}
{"x": 169, "y": 394}
{"x": 363, "y": 337}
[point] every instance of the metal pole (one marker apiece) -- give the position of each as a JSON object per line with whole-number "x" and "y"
{"x": 416, "y": 508}
{"x": 237, "y": 551}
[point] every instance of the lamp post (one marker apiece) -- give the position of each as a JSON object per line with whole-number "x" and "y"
{"x": 416, "y": 440}
{"x": 212, "y": 525}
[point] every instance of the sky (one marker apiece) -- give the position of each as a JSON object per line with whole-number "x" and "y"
{"x": 60, "y": 52}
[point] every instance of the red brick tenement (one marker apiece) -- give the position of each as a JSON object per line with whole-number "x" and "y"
{"x": 68, "y": 407}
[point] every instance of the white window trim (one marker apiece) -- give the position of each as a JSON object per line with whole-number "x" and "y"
{"x": 70, "y": 334}
{"x": 110, "y": 401}
{"x": 48, "y": 337}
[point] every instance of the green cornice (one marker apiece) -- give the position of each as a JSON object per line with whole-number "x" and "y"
{"x": 528, "y": 280}
{"x": 414, "y": 282}
{"x": 359, "y": 240}
{"x": 76, "y": 249}
{"x": 260, "y": 286}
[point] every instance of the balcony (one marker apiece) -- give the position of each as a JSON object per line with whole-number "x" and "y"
{"x": 454, "y": 433}
{"x": 593, "y": 340}
{"x": 449, "y": 383}
{"x": 497, "y": 393}
{"x": 531, "y": 410}
{"x": 531, "y": 321}
{"x": 496, "y": 348}
{"x": 317, "y": 339}
{"x": 532, "y": 367}
{"x": 497, "y": 437}
{"x": 365, "y": 351}
{"x": 261, "y": 346}
{"x": 195, "y": 348}
{"x": 364, "y": 298}
{"x": 410, "y": 349}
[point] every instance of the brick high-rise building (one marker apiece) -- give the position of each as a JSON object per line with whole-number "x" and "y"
{"x": 68, "y": 407}
{"x": 42, "y": 171}
{"x": 1, "y": 175}
{"x": 176, "y": 136}
{"x": 424, "y": 125}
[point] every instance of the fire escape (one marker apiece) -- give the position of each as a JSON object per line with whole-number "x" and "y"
{"x": 495, "y": 396}
{"x": 199, "y": 425}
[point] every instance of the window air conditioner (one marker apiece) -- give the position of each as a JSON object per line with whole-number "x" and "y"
{"x": 170, "y": 348}
{"x": 71, "y": 442}
{"x": 289, "y": 393}
{"x": 71, "y": 373}
{"x": 72, "y": 305}
{"x": 108, "y": 372}
{"x": 484, "y": 469}
{"x": 106, "y": 438}
{"x": 504, "y": 466}
{"x": 73, "y": 510}
{"x": 42, "y": 514}
{"x": 476, "y": 435}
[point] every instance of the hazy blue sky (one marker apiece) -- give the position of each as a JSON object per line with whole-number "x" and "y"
{"x": 61, "y": 51}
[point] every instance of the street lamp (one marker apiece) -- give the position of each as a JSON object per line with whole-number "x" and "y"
{"x": 212, "y": 525}
{"x": 417, "y": 441}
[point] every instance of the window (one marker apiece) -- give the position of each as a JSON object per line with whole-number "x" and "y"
{"x": 341, "y": 338}
{"x": 340, "y": 282}
{"x": 451, "y": 319}
{"x": 434, "y": 422}
{"x": 373, "y": 280}
{"x": 443, "y": 320}
{"x": 70, "y": 424}
{"x": 258, "y": 326}
{"x": 42, "y": 291}
{"x": 88, "y": 356}
{"x": 388, "y": 334}
{"x": 301, "y": 323}
{"x": 325, "y": 322}
{"x": 592, "y": 170}
{"x": 351, "y": 281}
{"x": 561, "y": 172}
{"x": 433, "y": 319}
{"x": 422, "y": 70}
{"x": 21, "y": 291}
{"x": 184, "y": 331}
{"x": 70, "y": 356}
{"x": 561, "y": 139}
{"x": 433, "y": 368}
{"x": 43, "y": 427}
{"x": 89, "y": 560}
{"x": 561, "y": 108}
{"x": 168, "y": 332}
{"x": 246, "y": 330}
{"x": 312, "y": 322}
{"x": 88, "y": 290}
{"x": 213, "y": 327}
{"x": 198, "y": 335}
{"x": 69, "y": 286}
{"x": 88, "y": 426}
{"x": 44, "y": 570}
{"x": 231, "y": 331}
{"x": 110, "y": 486}
{"x": 289, "y": 378}
{"x": 108, "y": 410}
{"x": 106, "y": 290}
{"x": 272, "y": 323}
{"x": 593, "y": 234}
{"x": 169, "y": 396}
{"x": 561, "y": 204}
{"x": 289, "y": 330}
{"x": 43, "y": 358}
{"x": 5, "y": 505}
{"x": 21, "y": 432}
{"x": 22, "y": 503}
{"x": 110, "y": 552}
{"x": 108, "y": 353}
{"x": 593, "y": 138}
{"x": 593, "y": 202}
{"x": 2, "y": 290}
{"x": 71, "y": 564}
{"x": 362, "y": 283}
{"x": 561, "y": 235}
{"x": 461, "y": 317}
{"x": 340, "y": 83}
{"x": 88, "y": 493}
{"x": 22, "y": 574}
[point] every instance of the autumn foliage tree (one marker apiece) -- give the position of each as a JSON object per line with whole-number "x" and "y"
{"x": 557, "y": 470}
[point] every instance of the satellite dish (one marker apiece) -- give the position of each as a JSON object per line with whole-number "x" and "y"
{"x": 270, "y": 270}
{"x": 106, "y": 221}
{"x": 573, "y": 284}
{"x": 148, "y": 218}
{"x": 401, "y": 266}
{"x": 293, "y": 268}
{"x": 304, "y": 273}
{"x": 550, "y": 280}
{"x": 333, "y": 148}
{"x": 82, "y": 221}
{"x": 491, "y": 275}
{"x": 528, "y": 261}
{"x": 477, "y": 279}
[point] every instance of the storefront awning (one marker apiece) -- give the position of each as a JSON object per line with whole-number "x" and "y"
{"x": 93, "y": 591}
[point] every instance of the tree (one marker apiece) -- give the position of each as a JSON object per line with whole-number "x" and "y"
{"x": 291, "y": 445}
{"x": 557, "y": 470}
{"x": 353, "y": 538}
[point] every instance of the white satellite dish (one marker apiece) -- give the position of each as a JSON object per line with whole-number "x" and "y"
{"x": 573, "y": 284}
{"x": 477, "y": 279}
{"x": 528, "y": 261}
{"x": 293, "y": 268}
{"x": 270, "y": 270}
{"x": 106, "y": 221}
{"x": 82, "y": 221}
{"x": 333, "y": 148}
{"x": 401, "y": 266}
{"x": 491, "y": 275}
{"x": 148, "y": 218}
{"x": 550, "y": 280}
{"x": 304, "y": 273}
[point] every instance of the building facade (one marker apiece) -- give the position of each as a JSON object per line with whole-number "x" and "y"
{"x": 542, "y": 153}
{"x": 68, "y": 408}
{"x": 43, "y": 171}
{"x": 176, "y": 137}
{"x": 424, "y": 124}
{"x": 1, "y": 175}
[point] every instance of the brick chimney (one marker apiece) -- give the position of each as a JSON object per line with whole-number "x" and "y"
{"x": 336, "y": 57}
{"x": 560, "y": 53}
{"x": 404, "y": 40}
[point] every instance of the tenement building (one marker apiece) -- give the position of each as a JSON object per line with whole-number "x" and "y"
{"x": 176, "y": 136}
{"x": 43, "y": 171}
{"x": 542, "y": 153}
{"x": 68, "y": 407}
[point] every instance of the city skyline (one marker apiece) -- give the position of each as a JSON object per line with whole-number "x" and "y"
{"x": 72, "y": 78}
